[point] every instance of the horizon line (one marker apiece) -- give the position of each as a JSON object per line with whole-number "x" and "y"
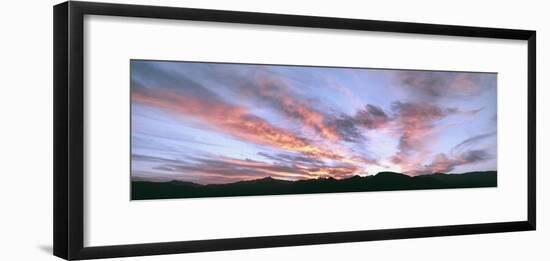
{"x": 317, "y": 178}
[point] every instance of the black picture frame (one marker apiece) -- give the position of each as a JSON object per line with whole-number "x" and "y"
{"x": 69, "y": 128}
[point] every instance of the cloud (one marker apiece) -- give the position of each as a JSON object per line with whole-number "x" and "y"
{"x": 314, "y": 167}
{"x": 475, "y": 156}
{"x": 440, "y": 164}
{"x": 474, "y": 141}
{"x": 224, "y": 170}
{"x": 419, "y": 113}
{"x": 443, "y": 164}
{"x": 284, "y": 166}
{"x": 221, "y": 170}
{"x": 174, "y": 92}
{"x": 347, "y": 129}
{"x": 290, "y": 158}
{"x": 371, "y": 117}
{"x": 277, "y": 94}
{"x": 415, "y": 121}
{"x": 432, "y": 85}
{"x": 233, "y": 120}
{"x": 472, "y": 150}
{"x": 147, "y": 158}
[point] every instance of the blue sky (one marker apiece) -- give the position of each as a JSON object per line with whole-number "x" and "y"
{"x": 220, "y": 123}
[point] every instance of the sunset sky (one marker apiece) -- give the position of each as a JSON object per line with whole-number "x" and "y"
{"x": 220, "y": 123}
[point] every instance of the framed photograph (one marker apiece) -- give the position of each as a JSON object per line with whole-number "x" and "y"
{"x": 183, "y": 130}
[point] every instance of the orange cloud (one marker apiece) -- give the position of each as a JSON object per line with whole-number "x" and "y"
{"x": 276, "y": 91}
{"x": 236, "y": 121}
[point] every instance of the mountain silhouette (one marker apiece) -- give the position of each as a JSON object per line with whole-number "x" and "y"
{"x": 383, "y": 181}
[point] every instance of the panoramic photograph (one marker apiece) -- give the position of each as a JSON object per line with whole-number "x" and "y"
{"x": 204, "y": 129}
